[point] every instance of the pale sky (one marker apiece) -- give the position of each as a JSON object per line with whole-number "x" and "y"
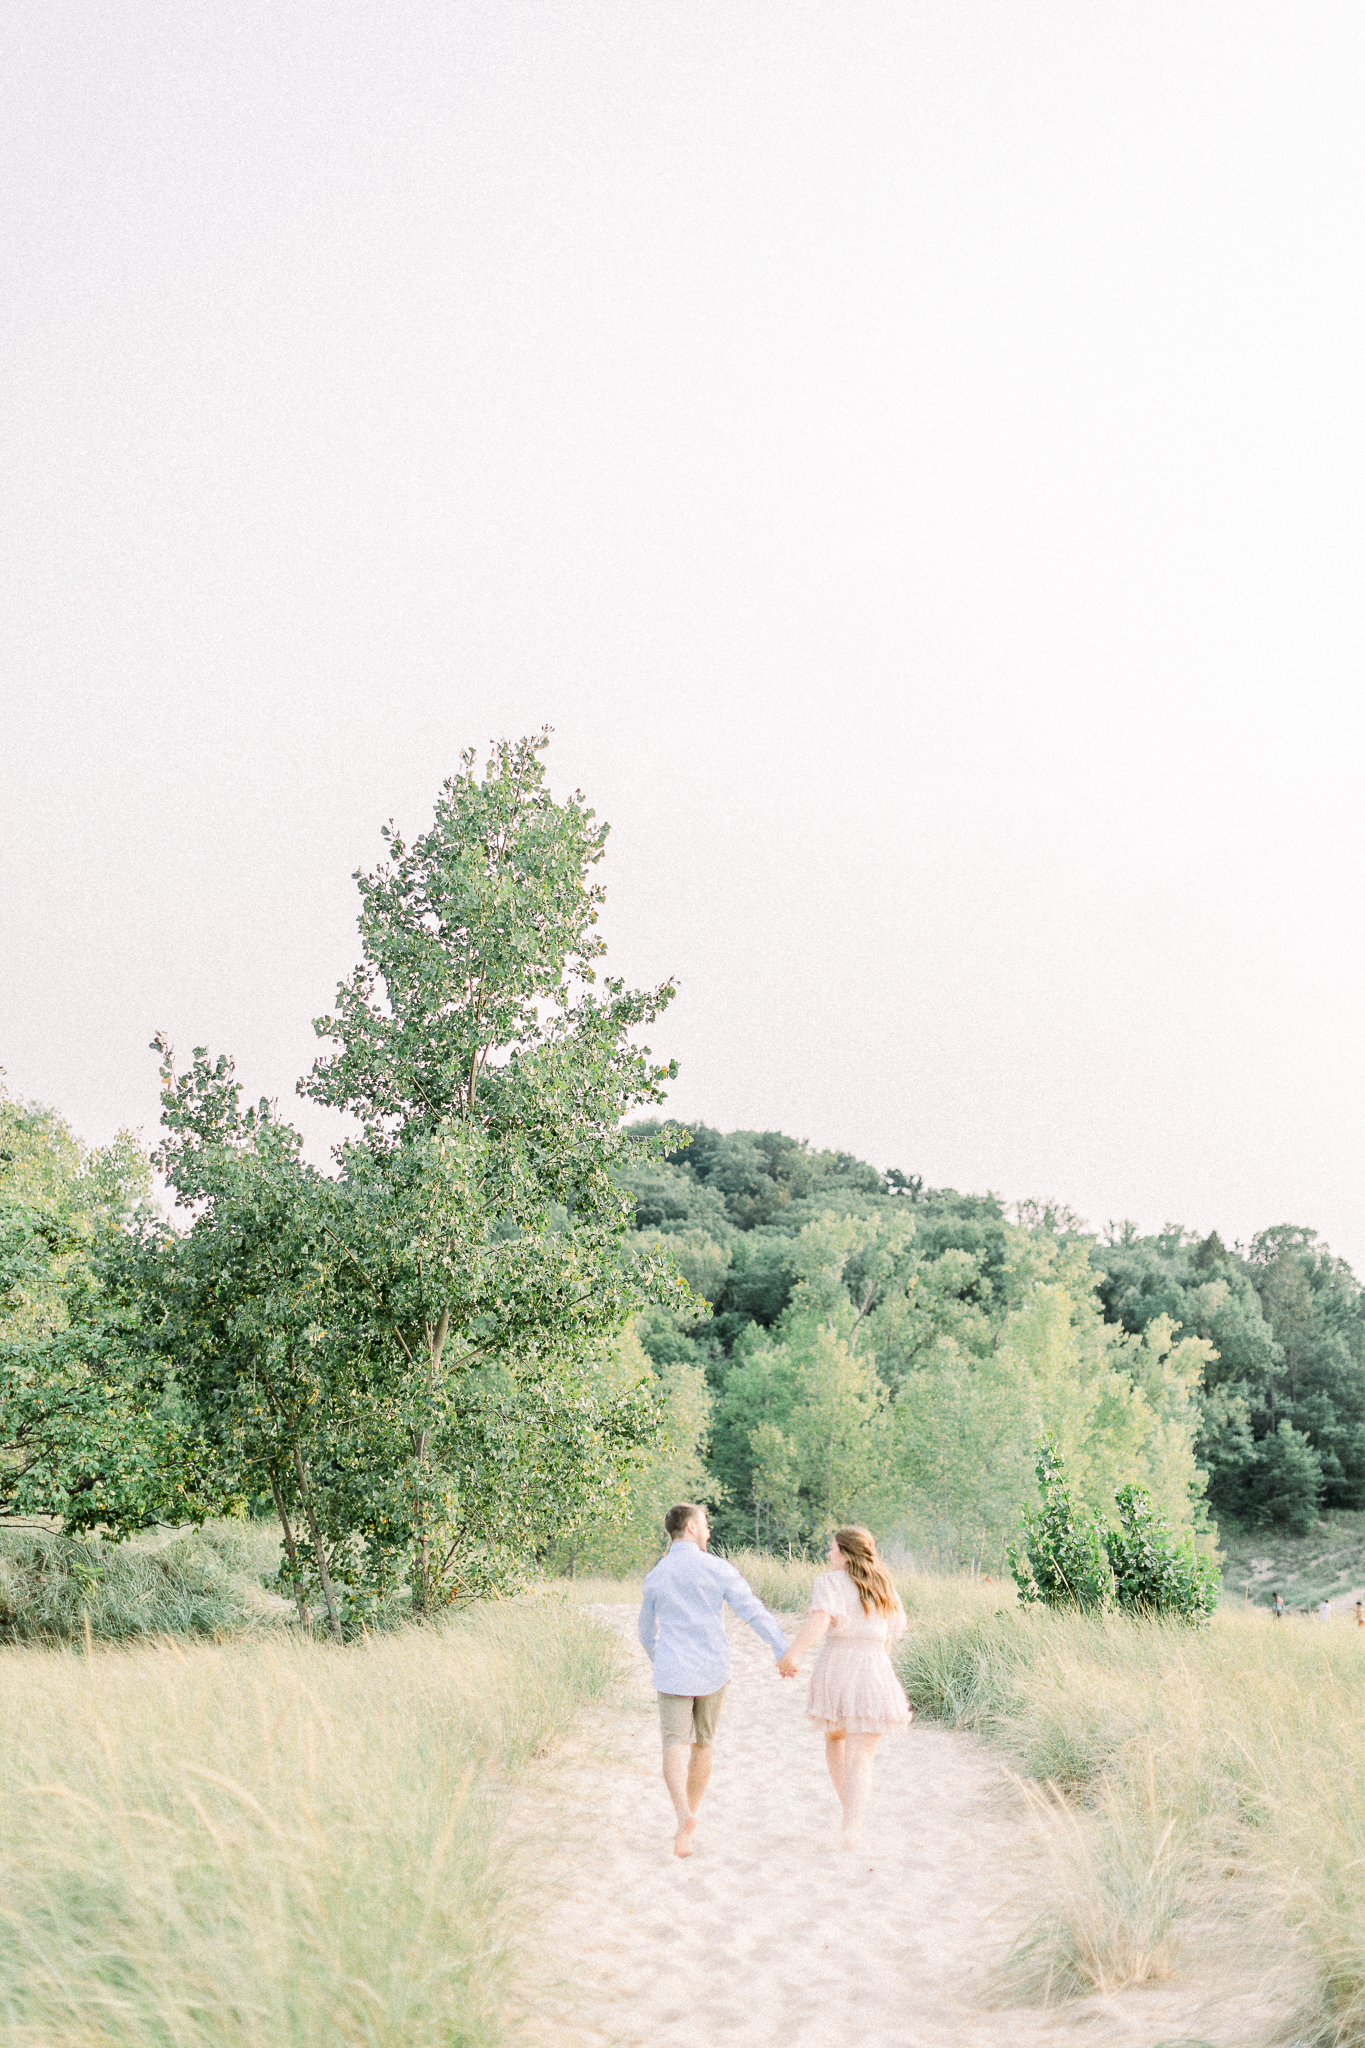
{"x": 912, "y": 455}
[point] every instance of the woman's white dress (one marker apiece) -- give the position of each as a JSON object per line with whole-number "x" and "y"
{"x": 853, "y": 1687}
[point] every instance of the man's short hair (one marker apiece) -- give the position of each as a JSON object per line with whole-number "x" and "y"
{"x": 677, "y": 1519}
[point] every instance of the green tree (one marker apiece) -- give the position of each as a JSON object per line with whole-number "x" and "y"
{"x": 1286, "y": 1324}
{"x": 628, "y": 1533}
{"x": 810, "y": 1415}
{"x": 805, "y": 1418}
{"x": 1156, "y": 1573}
{"x": 1061, "y": 1561}
{"x": 1315, "y": 1308}
{"x": 987, "y": 1348}
{"x": 1284, "y": 1485}
{"x": 91, "y": 1430}
{"x": 443, "y": 1328}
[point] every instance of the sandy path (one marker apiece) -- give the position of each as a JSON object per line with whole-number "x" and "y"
{"x": 770, "y": 1933}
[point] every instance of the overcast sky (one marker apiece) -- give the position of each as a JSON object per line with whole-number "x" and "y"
{"x": 912, "y": 455}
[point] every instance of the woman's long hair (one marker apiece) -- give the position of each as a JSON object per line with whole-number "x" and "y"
{"x": 876, "y": 1587}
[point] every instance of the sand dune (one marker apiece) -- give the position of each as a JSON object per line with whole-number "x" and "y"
{"x": 772, "y": 1936}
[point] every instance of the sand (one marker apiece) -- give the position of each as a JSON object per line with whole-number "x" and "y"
{"x": 770, "y": 1933}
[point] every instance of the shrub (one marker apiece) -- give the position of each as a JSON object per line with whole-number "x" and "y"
{"x": 1063, "y": 1563}
{"x": 1154, "y": 1573}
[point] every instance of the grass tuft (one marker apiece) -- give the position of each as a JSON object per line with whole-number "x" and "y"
{"x": 1118, "y": 1894}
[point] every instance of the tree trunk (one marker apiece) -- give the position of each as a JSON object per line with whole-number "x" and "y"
{"x": 291, "y": 1551}
{"x": 421, "y": 1592}
{"x": 436, "y": 1344}
{"x": 319, "y": 1550}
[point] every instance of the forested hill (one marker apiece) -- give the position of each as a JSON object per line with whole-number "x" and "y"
{"x": 888, "y": 1349}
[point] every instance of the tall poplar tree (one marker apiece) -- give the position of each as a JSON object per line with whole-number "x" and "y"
{"x": 446, "y": 1299}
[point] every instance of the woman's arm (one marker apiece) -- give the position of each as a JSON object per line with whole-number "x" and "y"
{"x": 816, "y": 1622}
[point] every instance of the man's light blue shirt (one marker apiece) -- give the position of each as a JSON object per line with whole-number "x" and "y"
{"x": 680, "y": 1622}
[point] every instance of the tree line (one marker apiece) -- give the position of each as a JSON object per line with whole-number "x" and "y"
{"x": 881, "y": 1348}
{"x": 507, "y": 1325}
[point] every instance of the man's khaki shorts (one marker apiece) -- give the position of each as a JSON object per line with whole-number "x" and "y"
{"x": 686, "y": 1719}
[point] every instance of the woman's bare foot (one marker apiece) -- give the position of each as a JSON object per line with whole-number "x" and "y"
{"x": 682, "y": 1841}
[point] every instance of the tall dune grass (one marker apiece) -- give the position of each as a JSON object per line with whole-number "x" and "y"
{"x": 277, "y": 1843}
{"x": 1207, "y": 1792}
{"x": 202, "y": 1582}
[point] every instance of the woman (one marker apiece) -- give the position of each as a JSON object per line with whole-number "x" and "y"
{"x": 854, "y": 1694}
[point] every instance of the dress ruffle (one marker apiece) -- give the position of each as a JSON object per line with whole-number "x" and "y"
{"x": 854, "y": 1688}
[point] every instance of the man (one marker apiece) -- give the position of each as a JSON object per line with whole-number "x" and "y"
{"x": 681, "y": 1627}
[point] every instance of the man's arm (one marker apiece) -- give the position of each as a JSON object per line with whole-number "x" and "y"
{"x": 649, "y": 1623}
{"x": 746, "y": 1604}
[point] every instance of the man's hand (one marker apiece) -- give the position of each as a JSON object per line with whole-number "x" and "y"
{"x": 789, "y": 1666}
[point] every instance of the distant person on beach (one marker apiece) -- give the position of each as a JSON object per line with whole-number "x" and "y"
{"x": 1360, "y": 1613}
{"x": 681, "y": 1627}
{"x": 1324, "y": 1610}
{"x": 855, "y": 1696}
{"x": 1279, "y": 1607}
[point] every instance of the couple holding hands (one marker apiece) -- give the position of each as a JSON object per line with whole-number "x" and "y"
{"x": 855, "y": 1696}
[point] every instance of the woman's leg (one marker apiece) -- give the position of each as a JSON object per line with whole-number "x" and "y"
{"x": 834, "y": 1762}
{"x": 861, "y": 1749}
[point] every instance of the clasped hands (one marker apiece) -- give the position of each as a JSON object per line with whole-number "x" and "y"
{"x": 789, "y": 1663}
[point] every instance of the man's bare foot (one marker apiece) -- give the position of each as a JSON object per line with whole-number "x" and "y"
{"x": 682, "y": 1841}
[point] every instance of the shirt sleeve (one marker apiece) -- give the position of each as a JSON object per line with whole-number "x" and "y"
{"x": 746, "y": 1604}
{"x": 649, "y": 1623}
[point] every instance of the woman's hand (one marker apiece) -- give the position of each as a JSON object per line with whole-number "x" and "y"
{"x": 815, "y": 1625}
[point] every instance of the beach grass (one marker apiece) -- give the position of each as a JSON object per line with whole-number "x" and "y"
{"x": 1200, "y": 1792}
{"x": 208, "y": 1582}
{"x": 276, "y": 1843}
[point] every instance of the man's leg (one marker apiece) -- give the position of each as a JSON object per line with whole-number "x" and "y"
{"x": 698, "y": 1775}
{"x": 705, "y": 1715}
{"x": 677, "y": 1762}
{"x": 675, "y": 1716}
